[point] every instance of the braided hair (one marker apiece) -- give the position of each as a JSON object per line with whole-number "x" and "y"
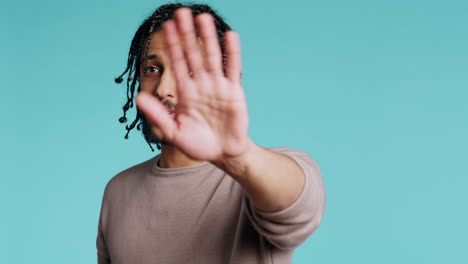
{"x": 143, "y": 38}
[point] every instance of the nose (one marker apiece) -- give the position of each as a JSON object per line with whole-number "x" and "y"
{"x": 167, "y": 87}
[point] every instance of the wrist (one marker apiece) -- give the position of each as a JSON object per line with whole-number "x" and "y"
{"x": 237, "y": 166}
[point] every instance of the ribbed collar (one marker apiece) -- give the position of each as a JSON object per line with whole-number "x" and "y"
{"x": 194, "y": 169}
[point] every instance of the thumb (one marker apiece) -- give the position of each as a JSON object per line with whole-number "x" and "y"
{"x": 155, "y": 112}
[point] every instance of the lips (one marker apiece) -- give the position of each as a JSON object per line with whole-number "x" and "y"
{"x": 170, "y": 107}
{"x": 171, "y": 115}
{"x": 170, "y": 110}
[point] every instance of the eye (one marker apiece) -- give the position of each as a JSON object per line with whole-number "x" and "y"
{"x": 152, "y": 70}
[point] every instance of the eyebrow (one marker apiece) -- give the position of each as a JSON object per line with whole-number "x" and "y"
{"x": 150, "y": 57}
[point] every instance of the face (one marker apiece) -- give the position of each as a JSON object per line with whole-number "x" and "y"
{"x": 156, "y": 77}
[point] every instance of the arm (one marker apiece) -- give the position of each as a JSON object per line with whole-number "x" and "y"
{"x": 286, "y": 197}
{"x": 101, "y": 246}
{"x": 271, "y": 180}
{"x": 289, "y": 227}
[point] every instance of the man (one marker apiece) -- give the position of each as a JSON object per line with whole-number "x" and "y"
{"x": 212, "y": 195}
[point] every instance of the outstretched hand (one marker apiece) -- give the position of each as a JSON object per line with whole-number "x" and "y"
{"x": 211, "y": 120}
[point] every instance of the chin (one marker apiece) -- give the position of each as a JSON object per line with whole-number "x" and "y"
{"x": 151, "y": 134}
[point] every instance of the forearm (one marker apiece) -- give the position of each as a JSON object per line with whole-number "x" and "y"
{"x": 271, "y": 180}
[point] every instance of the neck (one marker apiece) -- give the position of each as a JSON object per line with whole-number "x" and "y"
{"x": 172, "y": 157}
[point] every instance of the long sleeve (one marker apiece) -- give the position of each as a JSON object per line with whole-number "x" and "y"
{"x": 290, "y": 227}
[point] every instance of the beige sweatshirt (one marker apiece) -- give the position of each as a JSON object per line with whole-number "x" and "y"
{"x": 199, "y": 214}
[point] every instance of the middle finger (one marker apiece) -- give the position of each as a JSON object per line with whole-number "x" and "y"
{"x": 186, "y": 29}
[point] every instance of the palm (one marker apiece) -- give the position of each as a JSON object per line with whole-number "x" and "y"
{"x": 211, "y": 118}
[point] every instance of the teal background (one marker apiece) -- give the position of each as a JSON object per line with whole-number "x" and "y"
{"x": 375, "y": 91}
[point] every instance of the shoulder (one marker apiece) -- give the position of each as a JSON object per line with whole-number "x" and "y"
{"x": 128, "y": 177}
{"x": 300, "y": 156}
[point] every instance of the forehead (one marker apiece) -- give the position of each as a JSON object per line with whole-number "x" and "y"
{"x": 157, "y": 45}
{"x": 157, "y": 40}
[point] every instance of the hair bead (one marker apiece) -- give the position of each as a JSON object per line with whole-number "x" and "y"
{"x": 118, "y": 79}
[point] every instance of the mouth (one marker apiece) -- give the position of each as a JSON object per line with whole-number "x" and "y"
{"x": 170, "y": 107}
{"x": 171, "y": 113}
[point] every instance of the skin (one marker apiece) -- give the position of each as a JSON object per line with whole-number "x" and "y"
{"x": 210, "y": 122}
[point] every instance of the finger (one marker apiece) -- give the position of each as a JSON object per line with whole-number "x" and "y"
{"x": 233, "y": 56}
{"x": 157, "y": 114}
{"x": 186, "y": 29}
{"x": 174, "y": 46}
{"x": 209, "y": 36}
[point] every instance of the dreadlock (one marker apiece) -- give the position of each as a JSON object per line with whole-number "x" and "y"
{"x": 150, "y": 25}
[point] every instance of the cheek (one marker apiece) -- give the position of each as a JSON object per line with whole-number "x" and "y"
{"x": 157, "y": 132}
{"x": 149, "y": 85}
